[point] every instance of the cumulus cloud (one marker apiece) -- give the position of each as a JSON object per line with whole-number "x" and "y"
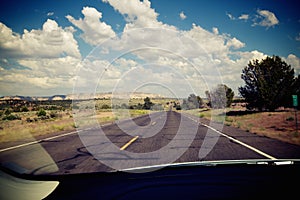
{"x": 188, "y": 52}
{"x": 94, "y": 30}
{"x": 265, "y": 18}
{"x": 214, "y": 43}
{"x": 235, "y": 43}
{"x": 149, "y": 50}
{"x": 182, "y": 15}
{"x": 136, "y": 13}
{"x": 41, "y": 76}
{"x": 294, "y": 61}
{"x": 51, "y": 41}
{"x": 39, "y": 60}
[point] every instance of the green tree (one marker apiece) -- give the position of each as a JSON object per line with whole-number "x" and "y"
{"x": 192, "y": 102}
{"x": 220, "y": 97}
{"x": 147, "y": 104}
{"x": 229, "y": 95}
{"x": 269, "y": 83}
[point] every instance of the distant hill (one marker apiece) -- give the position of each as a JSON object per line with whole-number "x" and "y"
{"x": 109, "y": 95}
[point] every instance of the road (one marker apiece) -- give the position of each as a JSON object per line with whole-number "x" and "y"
{"x": 158, "y": 138}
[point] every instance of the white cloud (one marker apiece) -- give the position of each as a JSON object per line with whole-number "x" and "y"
{"x": 231, "y": 17}
{"x": 235, "y": 43}
{"x": 244, "y": 17}
{"x": 48, "y": 57}
{"x": 52, "y": 67}
{"x": 147, "y": 51}
{"x": 94, "y": 31}
{"x": 188, "y": 52}
{"x": 215, "y": 30}
{"x": 214, "y": 43}
{"x": 50, "y": 41}
{"x": 44, "y": 75}
{"x": 50, "y": 13}
{"x": 266, "y": 19}
{"x": 294, "y": 61}
{"x": 182, "y": 15}
{"x": 210, "y": 42}
{"x": 137, "y": 13}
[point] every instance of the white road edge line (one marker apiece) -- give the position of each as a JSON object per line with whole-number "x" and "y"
{"x": 237, "y": 141}
{"x": 50, "y": 138}
{"x": 73, "y": 132}
{"x": 38, "y": 141}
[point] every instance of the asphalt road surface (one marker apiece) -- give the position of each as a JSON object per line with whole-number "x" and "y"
{"x": 158, "y": 138}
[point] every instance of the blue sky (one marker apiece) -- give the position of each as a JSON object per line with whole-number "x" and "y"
{"x": 231, "y": 33}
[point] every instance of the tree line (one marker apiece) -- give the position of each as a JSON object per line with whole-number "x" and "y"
{"x": 269, "y": 84}
{"x": 220, "y": 97}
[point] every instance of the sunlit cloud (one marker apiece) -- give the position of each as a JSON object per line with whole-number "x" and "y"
{"x": 94, "y": 30}
{"x": 50, "y": 41}
{"x": 265, "y": 18}
{"x": 182, "y": 15}
{"x": 244, "y": 17}
{"x": 48, "y": 58}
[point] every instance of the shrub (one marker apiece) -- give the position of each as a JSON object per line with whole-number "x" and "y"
{"x": 24, "y": 109}
{"x": 7, "y": 111}
{"x": 41, "y": 112}
{"x": 29, "y": 120}
{"x": 105, "y": 106}
{"x": 11, "y": 117}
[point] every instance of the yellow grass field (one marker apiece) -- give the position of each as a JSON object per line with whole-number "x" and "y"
{"x": 21, "y": 130}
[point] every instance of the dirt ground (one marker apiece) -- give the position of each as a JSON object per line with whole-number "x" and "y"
{"x": 280, "y": 124}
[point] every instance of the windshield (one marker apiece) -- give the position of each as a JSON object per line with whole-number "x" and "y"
{"x": 104, "y": 86}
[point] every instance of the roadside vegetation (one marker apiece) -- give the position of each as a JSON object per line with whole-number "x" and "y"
{"x": 266, "y": 106}
{"x": 278, "y": 124}
{"x": 27, "y": 120}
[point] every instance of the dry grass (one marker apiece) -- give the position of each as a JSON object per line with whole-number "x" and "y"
{"x": 22, "y": 130}
{"x": 278, "y": 125}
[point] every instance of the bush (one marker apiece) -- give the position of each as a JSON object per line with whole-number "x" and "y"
{"x": 55, "y": 115}
{"x": 8, "y": 111}
{"x": 24, "y": 109}
{"x": 41, "y": 112}
{"x": 105, "y": 106}
{"x": 11, "y": 117}
{"x": 178, "y": 107}
{"x": 29, "y": 120}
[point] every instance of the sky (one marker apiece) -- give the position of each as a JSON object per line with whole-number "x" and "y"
{"x": 168, "y": 47}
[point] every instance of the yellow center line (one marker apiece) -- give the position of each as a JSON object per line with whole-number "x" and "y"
{"x": 128, "y": 143}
